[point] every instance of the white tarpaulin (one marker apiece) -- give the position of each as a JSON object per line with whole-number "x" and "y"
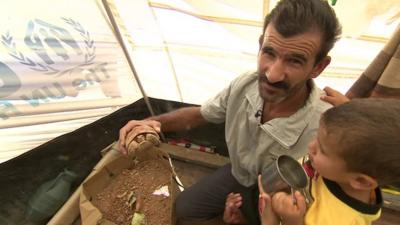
{"x": 61, "y": 68}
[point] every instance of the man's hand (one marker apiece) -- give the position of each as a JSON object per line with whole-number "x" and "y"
{"x": 232, "y": 214}
{"x": 290, "y": 212}
{"x": 138, "y": 134}
{"x": 267, "y": 215}
{"x": 334, "y": 97}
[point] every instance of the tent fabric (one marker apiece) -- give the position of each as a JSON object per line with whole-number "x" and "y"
{"x": 205, "y": 44}
{"x": 60, "y": 70}
{"x": 357, "y": 20}
{"x": 382, "y": 77}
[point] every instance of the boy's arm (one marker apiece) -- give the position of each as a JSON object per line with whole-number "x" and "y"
{"x": 290, "y": 210}
{"x": 267, "y": 215}
{"x": 334, "y": 97}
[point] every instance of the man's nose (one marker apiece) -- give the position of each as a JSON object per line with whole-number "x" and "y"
{"x": 275, "y": 72}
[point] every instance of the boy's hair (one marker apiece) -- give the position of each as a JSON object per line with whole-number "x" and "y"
{"x": 293, "y": 17}
{"x": 368, "y": 135}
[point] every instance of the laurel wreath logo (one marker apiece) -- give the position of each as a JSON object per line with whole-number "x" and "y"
{"x": 9, "y": 43}
{"x": 90, "y": 50}
{"x": 89, "y": 43}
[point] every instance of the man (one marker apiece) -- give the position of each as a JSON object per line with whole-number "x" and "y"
{"x": 270, "y": 112}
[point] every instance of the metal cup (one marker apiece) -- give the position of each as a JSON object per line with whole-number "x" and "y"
{"x": 285, "y": 173}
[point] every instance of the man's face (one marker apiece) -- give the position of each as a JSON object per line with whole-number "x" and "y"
{"x": 286, "y": 64}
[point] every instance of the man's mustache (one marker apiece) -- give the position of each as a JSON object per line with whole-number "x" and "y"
{"x": 279, "y": 84}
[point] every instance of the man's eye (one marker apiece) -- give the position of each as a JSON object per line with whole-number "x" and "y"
{"x": 269, "y": 53}
{"x": 296, "y": 61}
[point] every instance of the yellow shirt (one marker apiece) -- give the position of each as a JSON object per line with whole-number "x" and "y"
{"x": 332, "y": 206}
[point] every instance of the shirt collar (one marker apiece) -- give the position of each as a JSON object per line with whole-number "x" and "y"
{"x": 362, "y": 207}
{"x": 286, "y": 130}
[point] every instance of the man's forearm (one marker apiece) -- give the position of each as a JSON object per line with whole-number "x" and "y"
{"x": 181, "y": 119}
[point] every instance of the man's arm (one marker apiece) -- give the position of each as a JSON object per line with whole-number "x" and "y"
{"x": 182, "y": 119}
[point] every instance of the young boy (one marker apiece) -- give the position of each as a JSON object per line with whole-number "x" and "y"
{"x": 357, "y": 148}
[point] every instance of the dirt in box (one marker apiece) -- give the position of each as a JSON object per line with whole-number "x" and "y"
{"x": 142, "y": 181}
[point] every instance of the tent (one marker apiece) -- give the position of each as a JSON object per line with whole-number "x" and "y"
{"x": 73, "y": 72}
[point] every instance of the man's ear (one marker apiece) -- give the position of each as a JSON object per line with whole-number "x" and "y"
{"x": 260, "y": 41}
{"x": 317, "y": 70}
{"x": 363, "y": 182}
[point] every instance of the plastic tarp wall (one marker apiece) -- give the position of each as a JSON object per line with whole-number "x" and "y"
{"x": 188, "y": 50}
{"x": 61, "y": 66}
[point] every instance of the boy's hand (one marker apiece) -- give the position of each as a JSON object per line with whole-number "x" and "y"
{"x": 334, "y": 97}
{"x": 232, "y": 213}
{"x": 290, "y": 212}
{"x": 267, "y": 215}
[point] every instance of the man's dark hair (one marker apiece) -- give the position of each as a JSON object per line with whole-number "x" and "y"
{"x": 367, "y": 135}
{"x": 293, "y": 17}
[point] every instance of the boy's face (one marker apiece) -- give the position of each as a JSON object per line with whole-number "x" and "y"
{"x": 323, "y": 153}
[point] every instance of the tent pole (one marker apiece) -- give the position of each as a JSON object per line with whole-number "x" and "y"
{"x": 265, "y": 8}
{"x": 118, "y": 35}
{"x": 171, "y": 63}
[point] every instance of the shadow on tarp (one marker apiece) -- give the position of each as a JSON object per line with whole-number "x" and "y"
{"x": 79, "y": 151}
